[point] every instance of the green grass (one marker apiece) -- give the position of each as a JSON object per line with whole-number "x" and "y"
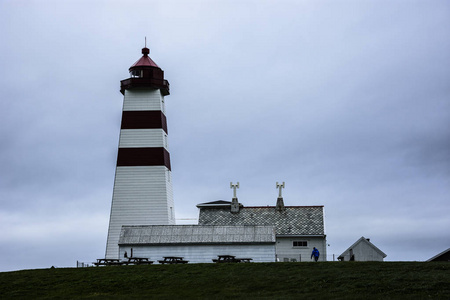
{"x": 326, "y": 280}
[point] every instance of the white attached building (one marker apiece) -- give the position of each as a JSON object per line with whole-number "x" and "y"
{"x": 197, "y": 243}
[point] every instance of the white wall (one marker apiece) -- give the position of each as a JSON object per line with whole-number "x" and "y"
{"x": 143, "y": 100}
{"x": 286, "y": 250}
{"x": 141, "y": 196}
{"x": 364, "y": 252}
{"x": 135, "y": 138}
{"x": 203, "y": 253}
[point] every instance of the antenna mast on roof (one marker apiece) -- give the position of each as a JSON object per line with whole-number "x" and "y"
{"x": 280, "y": 202}
{"x": 145, "y": 42}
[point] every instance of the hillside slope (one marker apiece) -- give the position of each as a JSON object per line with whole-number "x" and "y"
{"x": 336, "y": 280}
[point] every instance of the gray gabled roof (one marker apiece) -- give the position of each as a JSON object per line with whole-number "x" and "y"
{"x": 195, "y": 234}
{"x": 293, "y": 220}
{"x": 215, "y": 203}
{"x": 362, "y": 240}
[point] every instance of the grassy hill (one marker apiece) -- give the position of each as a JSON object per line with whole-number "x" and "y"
{"x": 326, "y": 280}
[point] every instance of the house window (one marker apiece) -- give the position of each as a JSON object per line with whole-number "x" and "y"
{"x": 299, "y": 244}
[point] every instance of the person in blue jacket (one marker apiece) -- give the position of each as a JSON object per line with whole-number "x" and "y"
{"x": 315, "y": 253}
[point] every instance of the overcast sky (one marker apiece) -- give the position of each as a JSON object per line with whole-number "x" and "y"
{"x": 348, "y": 102}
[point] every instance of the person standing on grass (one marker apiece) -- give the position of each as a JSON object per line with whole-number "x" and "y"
{"x": 315, "y": 253}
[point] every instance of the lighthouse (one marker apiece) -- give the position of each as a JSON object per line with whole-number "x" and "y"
{"x": 142, "y": 193}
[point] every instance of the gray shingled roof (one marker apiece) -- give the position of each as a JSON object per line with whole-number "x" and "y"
{"x": 195, "y": 234}
{"x": 294, "y": 220}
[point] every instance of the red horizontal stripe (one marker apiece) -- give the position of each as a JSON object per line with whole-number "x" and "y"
{"x": 146, "y": 119}
{"x": 143, "y": 157}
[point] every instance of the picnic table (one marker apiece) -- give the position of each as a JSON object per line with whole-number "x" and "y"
{"x": 173, "y": 260}
{"x": 230, "y": 259}
{"x": 118, "y": 262}
{"x": 138, "y": 261}
{"x": 107, "y": 262}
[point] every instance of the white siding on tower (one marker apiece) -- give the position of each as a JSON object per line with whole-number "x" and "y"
{"x": 143, "y": 100}
{"x": 142, "y": 195}
{"x": 135, "y": 138}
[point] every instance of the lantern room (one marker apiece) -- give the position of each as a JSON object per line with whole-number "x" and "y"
{"x": 145, "y": 73}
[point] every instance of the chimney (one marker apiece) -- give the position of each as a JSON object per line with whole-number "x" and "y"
{"x": 280, "y": 202}
{"x": 234, "y": 200}
{"x": 234, "y": 205}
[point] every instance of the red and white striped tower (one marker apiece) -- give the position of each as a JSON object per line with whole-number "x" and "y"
{"x": 142, "y": 192}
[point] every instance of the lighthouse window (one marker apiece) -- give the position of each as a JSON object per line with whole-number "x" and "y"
{"x": 135, "y": 73}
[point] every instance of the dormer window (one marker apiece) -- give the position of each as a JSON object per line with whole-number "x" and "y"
{"x": 136, "y": 73}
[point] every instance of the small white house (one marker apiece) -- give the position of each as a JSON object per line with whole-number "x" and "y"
{"x": 362, "y": 250}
